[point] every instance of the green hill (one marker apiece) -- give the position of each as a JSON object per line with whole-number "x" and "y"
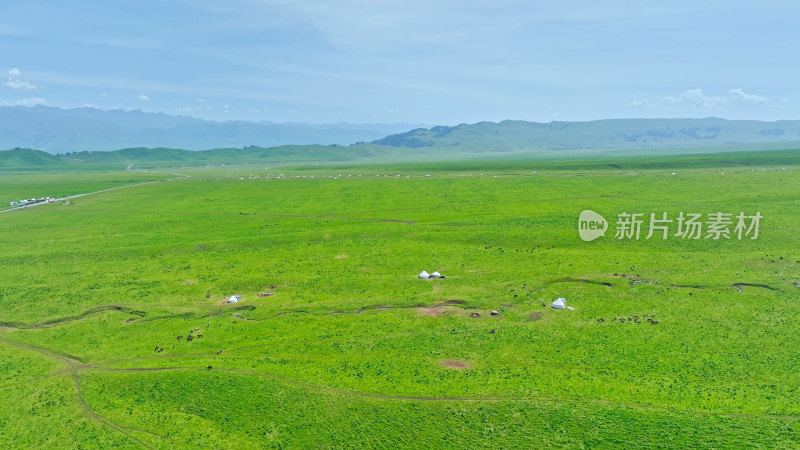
{"x": 25, "y": 157}
{"x": 513, "y": 135}
{"x": 466, "y": 141}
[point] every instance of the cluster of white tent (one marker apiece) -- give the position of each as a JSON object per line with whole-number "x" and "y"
{"x": 561, "y": 303}
{"x": 425, "y": 275}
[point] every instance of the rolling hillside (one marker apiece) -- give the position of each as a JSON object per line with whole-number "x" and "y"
{"x": 19, "y": 157}
{"x": 481, "y": 140}
{"x": 614, "y": 133}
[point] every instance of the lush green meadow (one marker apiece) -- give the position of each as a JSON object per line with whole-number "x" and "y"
{"x": 354, "y": 351}
{"x": 17, "y": 186}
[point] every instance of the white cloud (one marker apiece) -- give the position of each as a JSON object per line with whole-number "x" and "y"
{"x": 143, "y": 97}
{"x": 640, "y": 103}
{"x": 195, "y": 109}
{"x": 740, "y": 96}
{"x": 14, "y": 81}
{"x": 695, "y": 98}
{"x": 27, "y": 102}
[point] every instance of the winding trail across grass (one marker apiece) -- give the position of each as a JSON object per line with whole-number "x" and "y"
{"x": 73, "y": 368}
{"x": 70, "y": 197}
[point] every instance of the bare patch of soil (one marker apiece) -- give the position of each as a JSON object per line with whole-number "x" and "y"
{"x": 341, "y": 256}
{"x": 455, "y": 364}
{"x": 433, "y": 311}
{"x": 451, "y": 302}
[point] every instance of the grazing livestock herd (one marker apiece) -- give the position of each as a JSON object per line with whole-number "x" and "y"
{"x": 189, "y": 337}
{"x": 633, "y": 319}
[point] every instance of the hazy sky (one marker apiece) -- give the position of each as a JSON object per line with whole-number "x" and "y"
{"x": 435, "y": 62}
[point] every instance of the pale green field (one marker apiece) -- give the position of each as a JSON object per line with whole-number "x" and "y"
{"x": 354, "y": 351}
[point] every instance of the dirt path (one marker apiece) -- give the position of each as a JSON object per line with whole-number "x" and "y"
{"x": 73, "y": 369}
{"x": 103, "y": 420}
{"x": 462, "y": 399}
{"x": 67, "y": 319}
{"x": 70, "y": 197}
{"x": 71, "y": 366}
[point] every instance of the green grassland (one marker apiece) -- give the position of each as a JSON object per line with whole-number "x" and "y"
{"x": 354, "y": 351}
{"x": 488, "y": 152}
{"x": 17, "y": 186}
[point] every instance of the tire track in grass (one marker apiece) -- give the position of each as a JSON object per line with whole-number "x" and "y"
{"x": 121, "y": 308}
{"x": 454, "y": 399}
{"x": 103, "y": 420}
{"x": 74, "y": 369}
{"x": 395, "y": 397}
{"x": 73, "y": 365}
{"x": 62, "y": 320}
{"x": 70, "y": 197}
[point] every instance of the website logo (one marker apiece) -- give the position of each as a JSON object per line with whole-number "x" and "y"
{"x": 591, "y": 225}
{"x": 634, "y": 226}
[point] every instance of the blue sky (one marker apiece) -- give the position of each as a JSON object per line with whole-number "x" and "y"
{"x": 434, "y": 62}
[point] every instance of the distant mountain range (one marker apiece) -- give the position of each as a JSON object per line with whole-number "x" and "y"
{"x": 512, "y": 135}
{"x": 163, "y": 140}
{"x": 57, "y": 130}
